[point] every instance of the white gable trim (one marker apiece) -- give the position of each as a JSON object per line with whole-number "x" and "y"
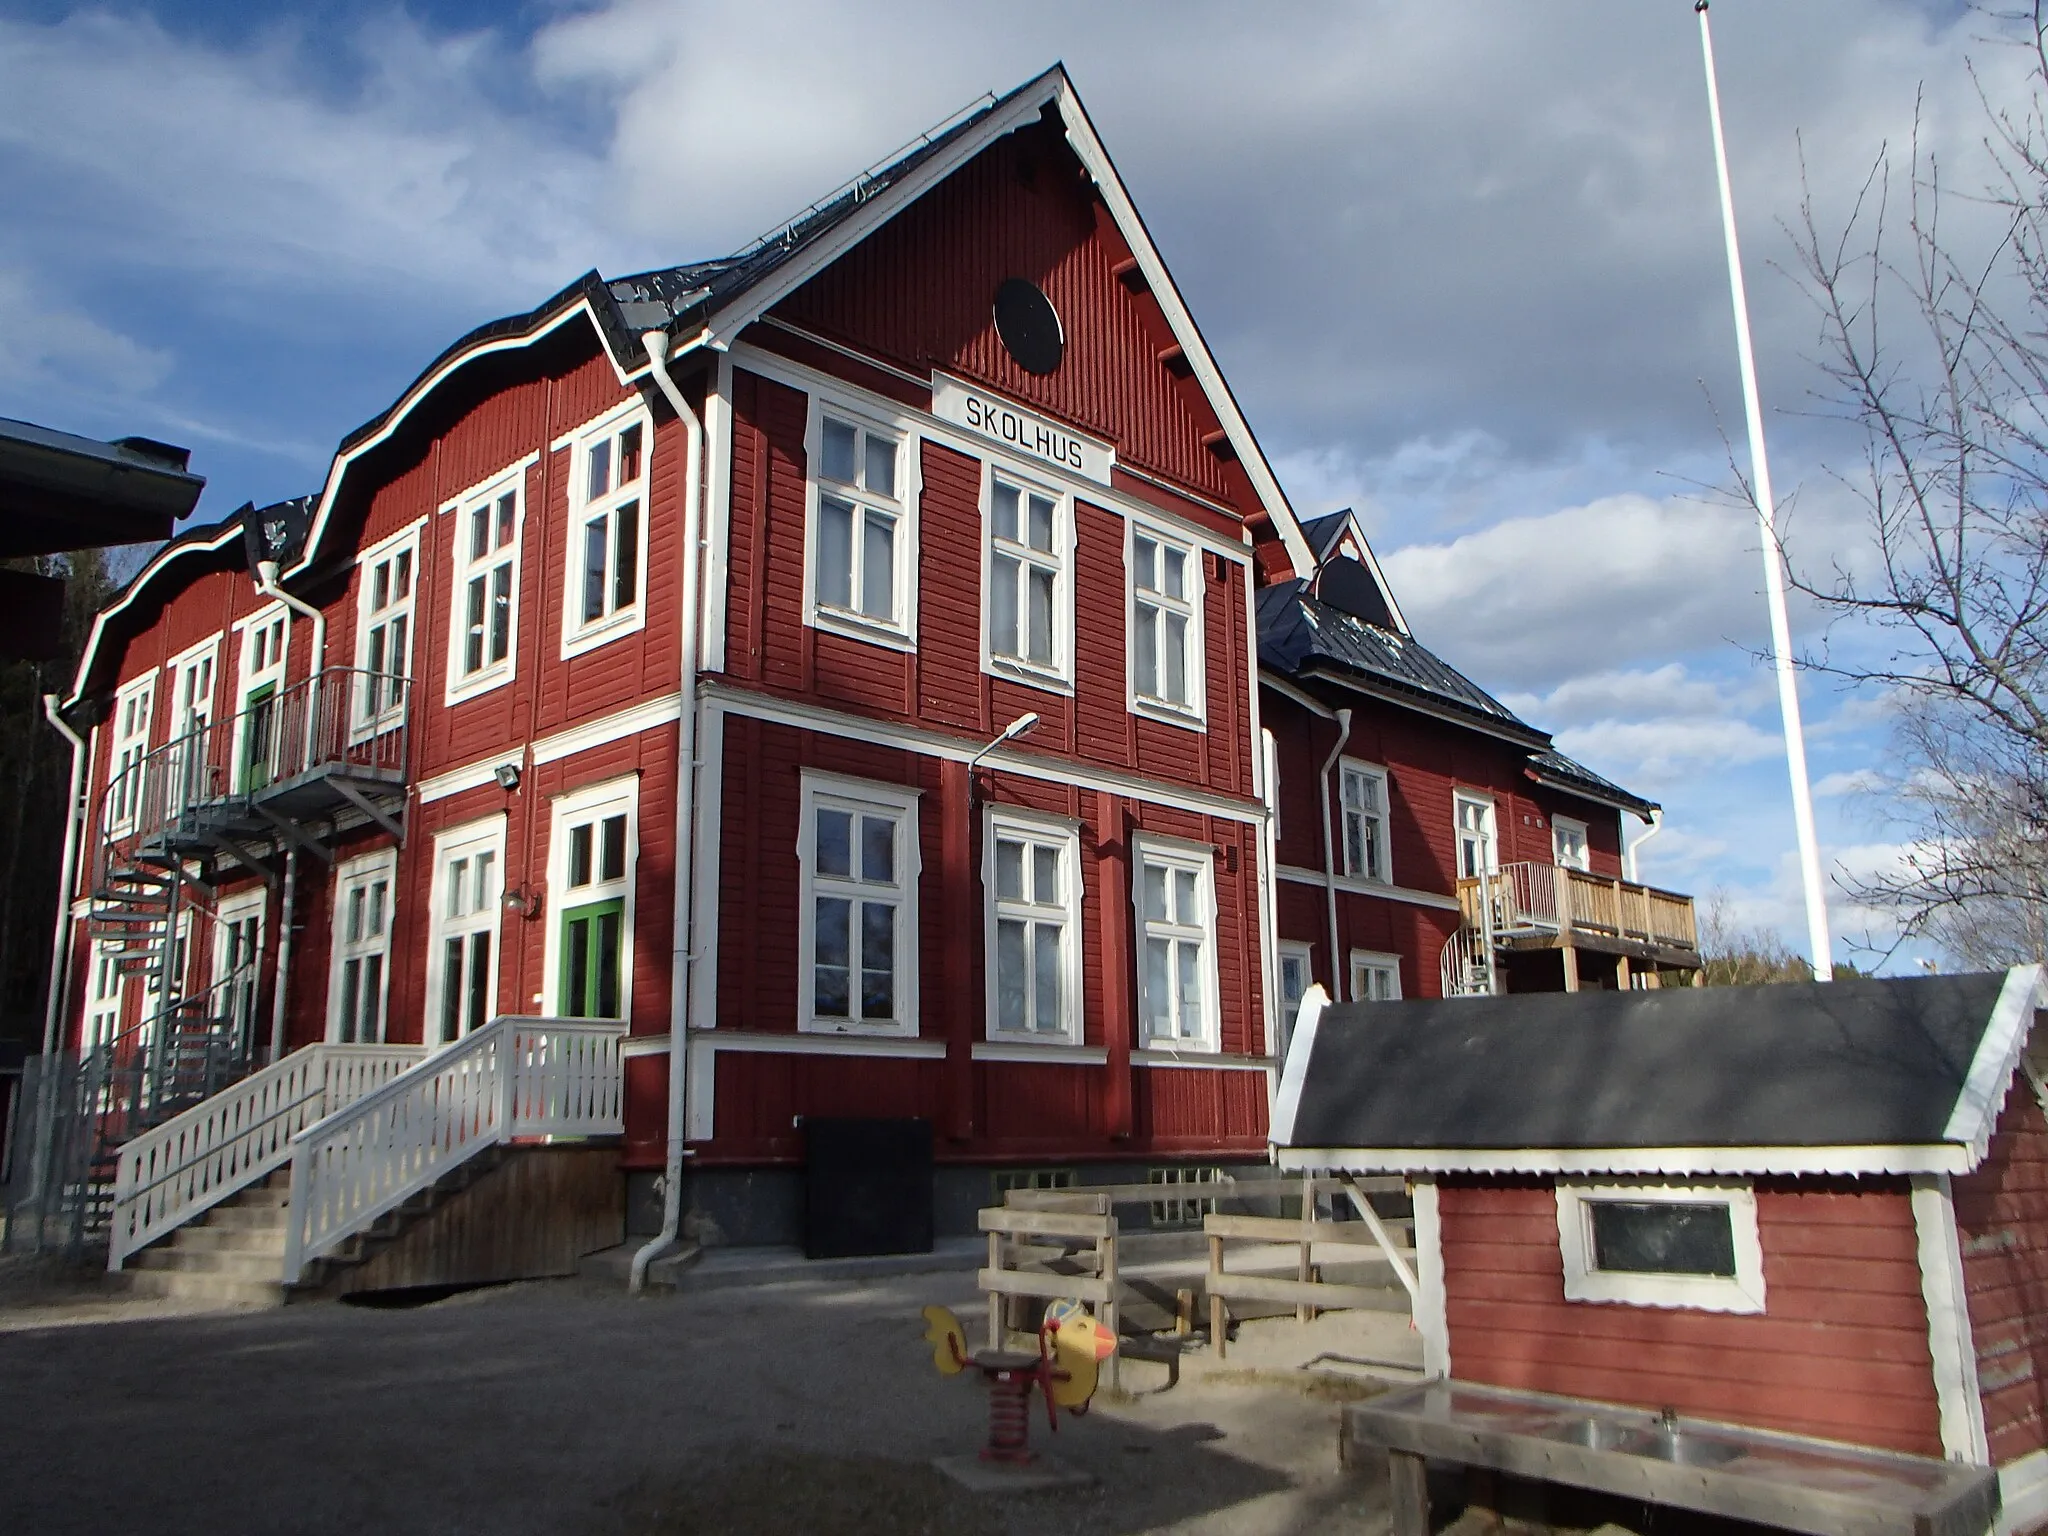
{"x": 168, "y": 555}
{"x": 1949, "y": 1339}
{"x": 1301, "y": 1041}
{"x": 1939, "y": 1158}
{"x": 1998, "y": 1052}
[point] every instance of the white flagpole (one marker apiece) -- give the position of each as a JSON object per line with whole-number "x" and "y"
{"x": 1774, "y": 556}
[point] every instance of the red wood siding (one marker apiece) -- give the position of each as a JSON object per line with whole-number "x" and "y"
{"x": 2002, "y": 1223}
{"x": 919, "y": 293}
{"x": 1841, "y": 1350}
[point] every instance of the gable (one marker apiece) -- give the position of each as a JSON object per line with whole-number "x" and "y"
{"x": 919, "y": 294}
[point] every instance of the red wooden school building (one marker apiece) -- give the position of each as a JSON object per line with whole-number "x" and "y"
{"x": 957, "y": 455}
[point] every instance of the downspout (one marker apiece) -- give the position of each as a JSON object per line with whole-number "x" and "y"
{"x": 657, "y": 344}
{"x": 1330, "y": 852}
{"x": 266, "y": 586}
{"x": 1656, "y": 820}
{"x": 60, "y": 956}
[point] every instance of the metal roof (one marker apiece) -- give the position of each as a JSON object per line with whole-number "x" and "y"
{"x": 1785, "y": 1078}
{"x": 59, "y": 492}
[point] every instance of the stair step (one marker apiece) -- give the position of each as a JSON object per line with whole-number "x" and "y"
{"x": 245, "y": 1218}
{"x": 202, "y": 1238}
{"x": 229, "y": 1263}
{"x": 261, "y": 1196}
{"x": 224, "y": 1289}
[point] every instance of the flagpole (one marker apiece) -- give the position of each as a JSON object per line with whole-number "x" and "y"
{"x": 1821, "y": 947}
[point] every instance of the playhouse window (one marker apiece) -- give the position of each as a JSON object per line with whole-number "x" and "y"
{"x": 1662, "y": 1245}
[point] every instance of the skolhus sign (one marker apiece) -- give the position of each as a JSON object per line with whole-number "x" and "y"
{"x": 1025, "y": 433}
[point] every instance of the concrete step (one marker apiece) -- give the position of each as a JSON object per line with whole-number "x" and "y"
{"x": 262, "y": 1196}
{"x": 210, "y": 1239}
{"x": 230, "y": 1263}
{"x": 244, "y": 1218}
{"x": 224, "y": 1290}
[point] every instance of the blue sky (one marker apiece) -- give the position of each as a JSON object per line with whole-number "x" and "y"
{"x": 1460, "y": 261}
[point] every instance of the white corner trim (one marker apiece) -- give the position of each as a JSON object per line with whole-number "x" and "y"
{"x": 1352, "y": 885}
{"x": 1585, "y": 1281}
{"x": 644, "y": 716}
{"x": 2023, "y": 1494}
{"x": 1432, "y": 1302}
{"x": 1949, "y": 1336}
{"x": 2005, "y": 1035}
{"x": 1301, "y": 1042}
{"x": 1687, "y": 1161}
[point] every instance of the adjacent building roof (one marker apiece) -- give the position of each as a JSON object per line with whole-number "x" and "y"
{"x": 59, "y": 492}
{"x": 1880, "y": 1075}
{"x": 1552, "y": 767}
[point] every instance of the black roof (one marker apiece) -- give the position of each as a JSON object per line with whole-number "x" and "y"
{"x": 59, "y": 492}
{"x": 1886, "y": 1062}
{"x": 1551, "y": 766}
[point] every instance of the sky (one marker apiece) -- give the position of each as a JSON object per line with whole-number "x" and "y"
{"x": 1461, "y": 262}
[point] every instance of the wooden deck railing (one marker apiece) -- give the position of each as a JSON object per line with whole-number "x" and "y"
{"x": 1529, "y": 899}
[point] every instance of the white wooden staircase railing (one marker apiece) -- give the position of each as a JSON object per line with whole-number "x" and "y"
{"x": 515, "y": 1077}
{"x": 180, "y": 1169}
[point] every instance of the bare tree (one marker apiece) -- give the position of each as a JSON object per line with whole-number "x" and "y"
{"x": 1936, "y": 345}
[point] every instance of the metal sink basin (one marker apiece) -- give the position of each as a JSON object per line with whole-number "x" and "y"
{"x": 1677, "y": 1445}
{"x": 1601, "y": 1435}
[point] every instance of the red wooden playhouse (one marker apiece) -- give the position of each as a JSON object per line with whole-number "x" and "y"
{"x": 1813, "y": 1209}
{"x": 874, "y": 676}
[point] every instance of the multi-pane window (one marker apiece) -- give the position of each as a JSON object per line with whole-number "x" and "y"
{"x": 1297, "y": 975}
{"x": 593, "y": 862}
{"x": 859, "y": 920}
{"x": 1473, "y": 818}
{"x": 103, "y": 1007}
{"x": 1375, "y": 978}
{"x": 131, "y": 746}
{"x": 858, "y": 525}
{"x": 610, "y": 489}
{"x": 1568, "y": 846}
{"x": 1027, "y": 581}
{"x": 1176, "y": 964}
{"x": 258, "y": 745}
{"x": 464, "y": 963}
{"x": 1364, "y": 796}
{"x": 1165, "y": 639}
{"x": 384, "y": 636}
{"x": 486, "y": 590}
{"x": 1034, "y": 927}
{"x": 238, "y": 945}
{"x": 362, "y": 948}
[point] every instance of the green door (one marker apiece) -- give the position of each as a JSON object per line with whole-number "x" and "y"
{"x": 593, "y": 947}
{"x": 259, "y": 738}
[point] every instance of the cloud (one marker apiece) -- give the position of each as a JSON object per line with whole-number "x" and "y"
{"x": 45, "y": 345}
{"x": 1654, "y": 752}
{"x": 1667, "y": 692}
{"x": 1856, "y": 781}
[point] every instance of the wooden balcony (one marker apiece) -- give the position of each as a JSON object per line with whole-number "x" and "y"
{"x": 1546, "y": 906}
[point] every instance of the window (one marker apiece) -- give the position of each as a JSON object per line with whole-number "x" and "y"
{"x": 186, "y": 763}
{"x": 485, "y": 614}
{"x": 1183, "y": 1210}
{"x": 103, "y": 1008}
{"x": 858, "y": 853}
{"x": 592, "y": 850}
{"x": 384, "y": 598}
{"x": 462, "y": 964}
{"x": 237, "y": 952}
{"x": 1028, "y": 604}
{"x": 259, "y": 746}
{"x": 1662, "y": 1245}
{"x": 1297, "y": 975}
{"x": 1473, "y": 816}
{"x": 131, "y": 746}
{"x": 1176, "y": 953}
{"x": 1030, "y": 1178}
{"x": 1031, "y": 868}
{"x": 1375, "y": 978}
{"x": 362, "y": 948}
{"x": 607, "y": 550}
{"x": 1166, "y": 638}
{"x": 1364, "y": 798}
{"x": 859, "y": 538}
{"x": 1568, "y": 843}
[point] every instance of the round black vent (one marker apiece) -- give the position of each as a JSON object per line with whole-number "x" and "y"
{"x": 1029, "y": 326}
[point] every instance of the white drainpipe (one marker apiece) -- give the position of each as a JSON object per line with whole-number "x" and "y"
{"x": 1337, "y": 978}
{"x": 1629, "y": 854}
{"x": 266, "y": 586}
{"x": 60, "y": 957}
{"x": 657, "y": 345}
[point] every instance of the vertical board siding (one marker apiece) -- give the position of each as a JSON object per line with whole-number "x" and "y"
{"x": 1840, "y": 1352}
{"x": 2002, "y": 1224}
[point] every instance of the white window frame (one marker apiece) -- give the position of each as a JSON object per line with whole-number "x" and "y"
{"x": 484, "y": 836}
{"x": 354, "y": 874}
{"x": 232, "y": 912}
{"x": 1364, "y": 965}
{"x": 465, "y": 568}
{"x": 859, "y": 795}
{"x": 1585, "y": 1281}
{"x": 1042, "y": 830}
{"x": 365, "y": 722}
{"x": 130, "y": 745}
{"x": 1459, "y": 800}
{"x": 1291, "y": 951}
{"x": 1351, "y": 770}
{"x": 578, "y": 633}
{"x": 1194, "y": 714}
{"x": 591, "y": 803}
{"x": 206, "y": 655}
{"x": 107, "y": 997}
{"x": 1058, "y": 674}
{"x": 899, "y": 630}
{"x": 1200, "y": 859}
{"x": 250, "y": 675}
{"x": 1562, "y": 826}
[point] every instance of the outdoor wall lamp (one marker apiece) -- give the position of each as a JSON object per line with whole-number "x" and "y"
{"x": 507, "y": 776}
{"x": 1023, "y": 724}
{"x": 518, "y": 898}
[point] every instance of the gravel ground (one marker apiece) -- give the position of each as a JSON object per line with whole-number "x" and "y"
{"x": 570, "y": 1409}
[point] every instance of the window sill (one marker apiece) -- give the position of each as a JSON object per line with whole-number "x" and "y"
{"x": 1168, "y": 714}
{"x": 476, "y": 686}
{"x": 839, "y": 1027}
{"x": 1028, "y": 676}
{"x": 1045, "y": 1049}
{"x": 627, "y": 621}
{"x": 832, "y": 622}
